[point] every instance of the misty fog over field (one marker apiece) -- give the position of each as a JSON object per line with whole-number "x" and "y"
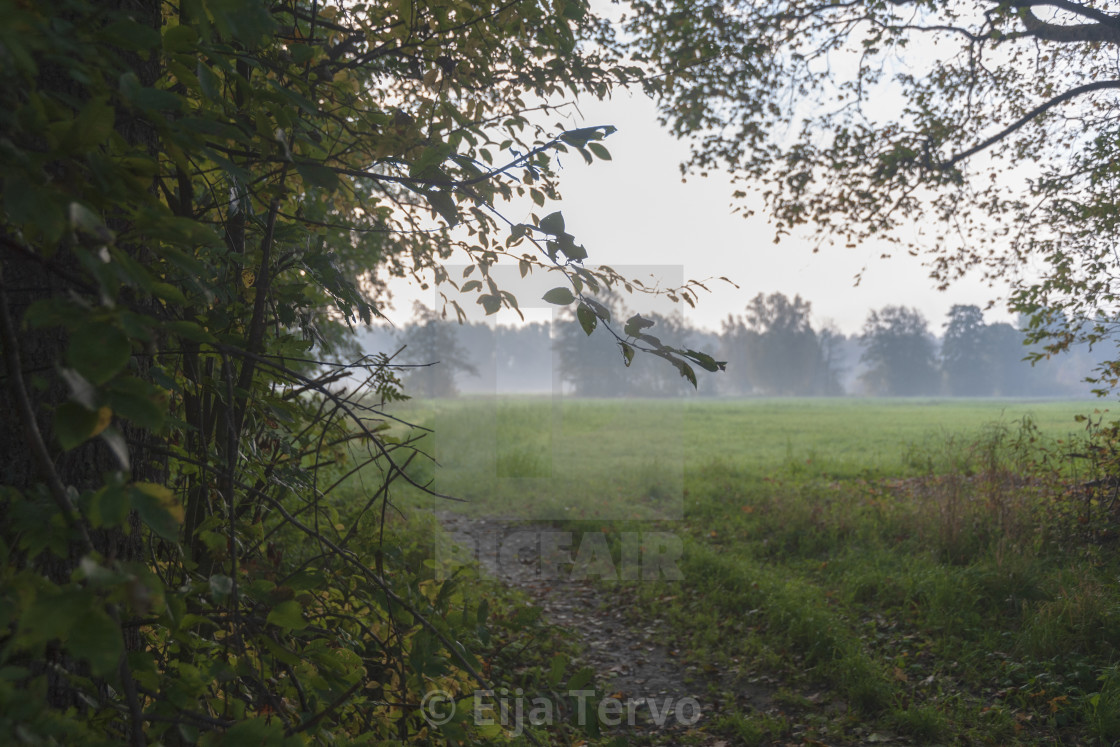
{"x": 772, "y": 349}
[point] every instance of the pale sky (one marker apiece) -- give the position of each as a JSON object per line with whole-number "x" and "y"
{"x": 634, "y": 210}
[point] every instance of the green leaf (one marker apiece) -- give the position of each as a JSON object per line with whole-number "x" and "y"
{"x": 129, "y": 34}
{"x": 580, "y": 679}
{"x": 190, "y": 331}
{"x": 553, "y": 223}
{"x": 627, "y": 354}
{"x": 427, "y": 165}
{"x": 170, "y": 293}
{"x": 179, "y": 39}
{"x": 580, "y": 137}
{"x": 587, "y": 318}
{"x": 318, "y": 175}
{"x": 74, "y": 424}
{"x": 635, "y": 325}
{"x": 54, "y": 312}
{"x": 571, "y": 249}
{"x": 52, "y": 615}
{"x": 685, "y": 369}
{"x": 96, "y": 574}
{"x": 158, "y": 508}
{"x": 99, "y": 351}
{"x": 248, "y": 23}
{"x": 287, "y": 615}
{"x": 209, "y": 81}
{"x": 560, "y": 296}
{"x": 444, "y": 205}
{"x": 30, "y": 204}
{"x": 302, "y": 53}
{"x": 600, "y": 310}
{"x": 138, "y": 401}
{"x": 599, "y": 150}
{"x": 490, "y": 303}
{"x": 94, "y": 124}
{"x": 109, "y": 506}
{"x": 471, "y": 285}
{"x": 483, "y": 611}
{"x": 280, "y": 652}
{"x": 574, "y": 10}
{"x": 255, "y": 731}
{"x": 705, "y": 361}
{"x": 556, "y": 670}
{"x": 148, "y": 99}
{"x": 97, "y": 640}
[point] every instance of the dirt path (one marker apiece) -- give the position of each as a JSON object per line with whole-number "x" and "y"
{"x": 668, "y": 698}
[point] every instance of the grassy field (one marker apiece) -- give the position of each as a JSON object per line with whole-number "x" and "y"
{"x": 907, "y": 571}
{"x": 556, "y": 459}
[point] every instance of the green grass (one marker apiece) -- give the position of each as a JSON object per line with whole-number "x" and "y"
{"x": 631, "y": 459}
{"x": 921, "y": 562}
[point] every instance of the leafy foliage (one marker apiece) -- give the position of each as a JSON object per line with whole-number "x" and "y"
{"x": 980, "y": 359}
{"x": 991, "y": 124}
{"x": 198, "y": 199}
{"x": 589, "y": 363}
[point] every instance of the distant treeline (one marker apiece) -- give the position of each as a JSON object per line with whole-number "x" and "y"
{"x": 772, "y": 349}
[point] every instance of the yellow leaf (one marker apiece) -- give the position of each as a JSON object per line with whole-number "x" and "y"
{"x": 104, "y": 417}
{"x": 165, "y": 497}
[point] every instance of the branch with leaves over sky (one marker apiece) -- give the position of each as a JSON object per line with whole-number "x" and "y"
{"x": 983, "y": 135}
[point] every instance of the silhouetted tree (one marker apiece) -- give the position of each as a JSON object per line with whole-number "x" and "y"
{"x": 777, "y": 347}
{"x": 523, "y": 357}
{"x": 831, "y": 342}
{"x": 1010, "y": 374}
{"x": 736, "y": 344}
{"x": 589, "y": 364}
{"x": 966, "y": 358}
{"x": 899, "y": 350}
{"x": 432, "y": 346}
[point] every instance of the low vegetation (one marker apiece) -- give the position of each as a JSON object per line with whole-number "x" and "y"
{"x": 914, "y": 571}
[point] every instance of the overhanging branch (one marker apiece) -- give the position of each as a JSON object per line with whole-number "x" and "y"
{"x": 1038, "y": 111}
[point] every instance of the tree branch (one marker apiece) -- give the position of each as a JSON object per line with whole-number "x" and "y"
{"x": 1038, "y": 111}
{"x": 1075, "y": 8}
{"x": 1082, "y": 32}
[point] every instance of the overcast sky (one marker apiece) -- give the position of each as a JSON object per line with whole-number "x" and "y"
{"x": 635, "y": 211}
